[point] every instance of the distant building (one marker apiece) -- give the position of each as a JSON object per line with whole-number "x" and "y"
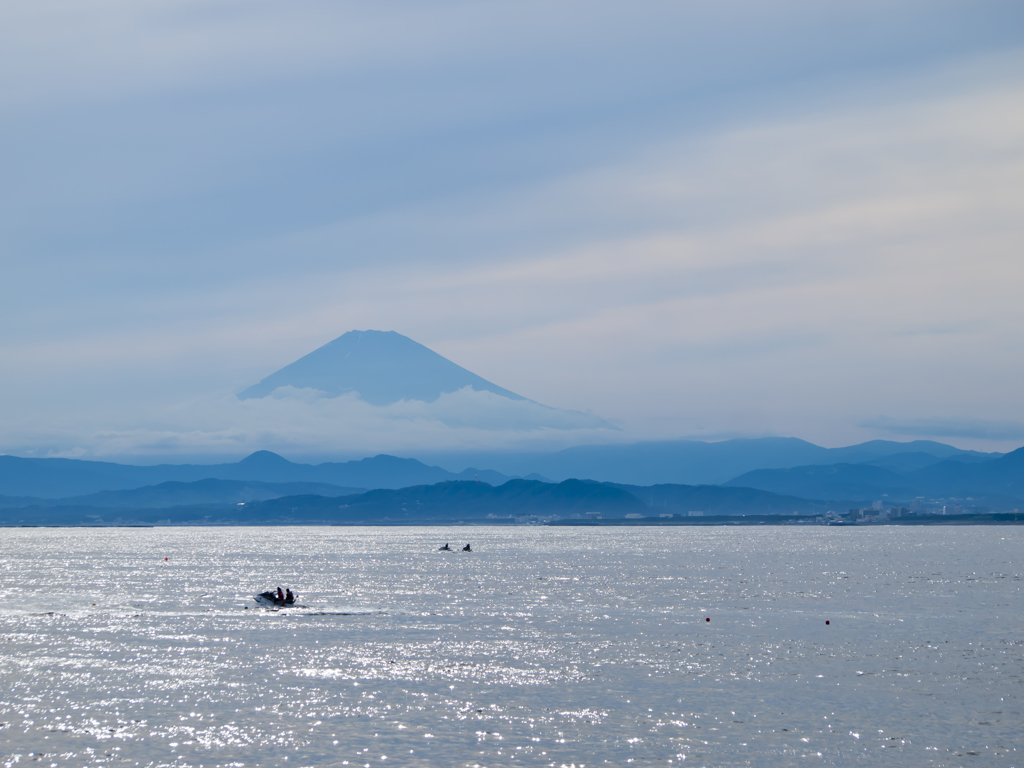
{"x": 695, "y": 513}
{"x": 536, "y": 519}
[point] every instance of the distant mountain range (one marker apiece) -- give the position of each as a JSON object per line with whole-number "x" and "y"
{"x": 1002, "y": 477}
{"x": 898, "y": 472}
{"x": 465, "y": 500}
{"x": 670, "y": 499}
{"x": 63, "y": 478}
{"x": 446, "y": 502}
{"x": 693, "y": 462}
{"x": 174, "y": 493}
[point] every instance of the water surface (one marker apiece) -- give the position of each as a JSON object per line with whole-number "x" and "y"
{"x": 544, "y": 646}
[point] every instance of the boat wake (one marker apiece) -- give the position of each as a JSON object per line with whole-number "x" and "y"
{"x": 331, "y": 610}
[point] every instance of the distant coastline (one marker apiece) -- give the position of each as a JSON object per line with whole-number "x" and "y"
{"x": 984, "y": 518}
{"x": 802, "y": 521}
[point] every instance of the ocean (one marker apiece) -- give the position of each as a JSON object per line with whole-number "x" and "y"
{"x": 710, "y": 646}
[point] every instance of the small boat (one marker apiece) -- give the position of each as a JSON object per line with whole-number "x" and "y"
{"x": 271, "y": 600}
{"x": 445, "y": 548}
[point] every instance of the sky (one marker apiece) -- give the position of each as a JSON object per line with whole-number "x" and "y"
{"x": 693, "y": 220}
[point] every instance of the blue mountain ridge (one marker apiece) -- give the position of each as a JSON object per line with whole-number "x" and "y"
{"x": 642, "y": 464}
{"x": 449, "y": 501}
{"x": 808, "y": 489}
{"x": 63, "y": 478}
{"x": 696, "y": 462}
{"x": 1001, "y": 477}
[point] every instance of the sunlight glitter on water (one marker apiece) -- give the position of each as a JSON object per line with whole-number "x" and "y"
{"x": 545, "y": 646}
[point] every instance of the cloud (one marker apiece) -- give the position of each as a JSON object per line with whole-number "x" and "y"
{"x": 307, "y": 422}
{"x": 466, "y": 408}
{"x": 948, "y": 428}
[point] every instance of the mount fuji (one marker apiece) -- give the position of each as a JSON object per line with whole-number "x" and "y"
{"x": 386, "y": 369}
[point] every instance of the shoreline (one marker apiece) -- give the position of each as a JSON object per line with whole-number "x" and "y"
{"x": 994, "y": 518}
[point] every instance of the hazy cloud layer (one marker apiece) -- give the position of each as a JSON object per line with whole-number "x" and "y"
{"x": 950, "y": 428}
{"x": 304, "y": 422}
{"x": 691, "y": 219}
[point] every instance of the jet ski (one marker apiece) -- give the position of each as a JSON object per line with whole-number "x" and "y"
{"x": 271, "y": 600}
{"x": 445, "y": 548}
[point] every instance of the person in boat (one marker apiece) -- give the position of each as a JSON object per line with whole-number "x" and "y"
{"x": 445, "y": 548}
{"x": 280, "y": 595}
{"x": 289, "y": 597}
{"x": 467, "y": 548}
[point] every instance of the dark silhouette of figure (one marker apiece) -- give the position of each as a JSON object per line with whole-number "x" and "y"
{"x": 445, "y": 548}
{"x": 289, "y": 597}
{"x": 467, "y": 548}
{"x": 280, "y": 595}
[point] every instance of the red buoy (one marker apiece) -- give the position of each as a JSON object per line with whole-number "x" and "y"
{"x": 708, "y": 619}
{"x": 826, "y": 622}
